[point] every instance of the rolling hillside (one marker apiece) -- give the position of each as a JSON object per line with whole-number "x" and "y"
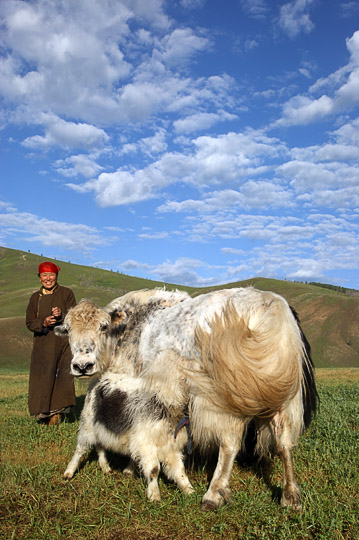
{"x": 330, "y": 319}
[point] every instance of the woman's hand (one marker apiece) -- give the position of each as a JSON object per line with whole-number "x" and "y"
{"x": 49, "y": 321}
{"x": 56, "y": 312}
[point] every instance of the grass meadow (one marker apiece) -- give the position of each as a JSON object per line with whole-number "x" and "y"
{"x": 38, "y": 504}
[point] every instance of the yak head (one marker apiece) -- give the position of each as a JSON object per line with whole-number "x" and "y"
{"x": 92, "y": 334}
{"x": 97, "y": 335}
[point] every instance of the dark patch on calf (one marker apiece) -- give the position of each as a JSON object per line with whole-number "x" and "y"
{"x": 111, "y": 409}
{"x": 157, "y": 409}
{"x": 154, "y": 472}
{"x": 145, "y": 405}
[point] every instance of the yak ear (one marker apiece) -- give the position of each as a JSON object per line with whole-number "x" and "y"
{"x": 118, "y": 323}
{"x": 61, "y": 330}
{"x": 118, "y": 317}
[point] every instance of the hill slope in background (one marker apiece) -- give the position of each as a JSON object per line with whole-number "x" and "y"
{"x": 330, "y": 319}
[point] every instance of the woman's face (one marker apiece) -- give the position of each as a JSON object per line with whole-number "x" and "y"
{"x": 48, "y": 280}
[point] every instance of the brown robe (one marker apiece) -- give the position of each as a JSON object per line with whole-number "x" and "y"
{"x": 51, "y": 387}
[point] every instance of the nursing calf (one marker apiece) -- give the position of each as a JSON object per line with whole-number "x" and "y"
{"x": 121, "y": 416}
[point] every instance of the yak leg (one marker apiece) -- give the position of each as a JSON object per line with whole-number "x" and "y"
{"x": 218, "y": 492}
{"x": 81, "y": 449}
{"x": 143, "y": 451}
{"x": 151, "y": 469}
{"x": 130, "y": 468}
{"x": 102, "y": 459}
{"x": 174, "y": 470}
{"x": 281, "y": 430}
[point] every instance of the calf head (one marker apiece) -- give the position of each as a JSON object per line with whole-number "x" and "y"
{"x": 92, "y": 335}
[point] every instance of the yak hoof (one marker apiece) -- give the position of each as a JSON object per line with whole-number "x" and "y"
{"x": 208, "y": 506}
{"x": 225, "y": 494}
{"x": 291, "y": 499}
{"x": 154, "y": 497}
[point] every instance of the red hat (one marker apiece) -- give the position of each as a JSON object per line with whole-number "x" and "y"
{"x": 49, "y": 267}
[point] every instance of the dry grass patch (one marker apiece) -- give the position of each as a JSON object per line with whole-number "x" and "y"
{"x": 338, "y": 375}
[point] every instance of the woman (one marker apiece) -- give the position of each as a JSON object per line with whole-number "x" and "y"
{"x": 51, "y": 387}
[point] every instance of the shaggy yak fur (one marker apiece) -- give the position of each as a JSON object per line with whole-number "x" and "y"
{"x": 229, "y": 357}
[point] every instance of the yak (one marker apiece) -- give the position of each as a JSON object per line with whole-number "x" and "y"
{"x": 235, "y": 356}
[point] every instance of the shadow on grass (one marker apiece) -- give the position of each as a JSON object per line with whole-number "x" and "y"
{"x": 80, "y": 400}
{"x": 263, "y": 470}
{"x": 117, "y": 462}
{"x": 75, "y": 412}
{"x": 261, "y": 467}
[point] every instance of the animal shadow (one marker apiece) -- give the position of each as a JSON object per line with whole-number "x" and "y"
{"x": 247, "y": 460}
{"x": 74, "y": 413}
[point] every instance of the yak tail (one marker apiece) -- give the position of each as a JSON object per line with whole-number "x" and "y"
{"x": 251, "y": 365}
{"x": 310, "y": 397}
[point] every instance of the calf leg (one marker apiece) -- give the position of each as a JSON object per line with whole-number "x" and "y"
{"x": 151, "y": 475}
{"x": 150, "y": 466}
{"x": 130, "y": 468}
{"x": 218, "y": 492}
{"x": 81, "y": 449}
{"x": 102, "y": 459}
{"x": 174, "y": 469}
{"x": 280, "y": 427}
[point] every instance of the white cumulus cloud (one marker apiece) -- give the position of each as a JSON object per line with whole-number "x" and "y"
{"x": 294, "y": 17}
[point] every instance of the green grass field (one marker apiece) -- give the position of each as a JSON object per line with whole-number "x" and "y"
{"x": 37, "y": 504}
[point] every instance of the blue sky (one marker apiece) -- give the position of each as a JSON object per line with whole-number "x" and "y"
{"x": 197, "y": 142}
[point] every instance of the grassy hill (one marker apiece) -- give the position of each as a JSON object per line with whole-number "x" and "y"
{"x": 330, "y": 319}
{"x": 18, "y": 280}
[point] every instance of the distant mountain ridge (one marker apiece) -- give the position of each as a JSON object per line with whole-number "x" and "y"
{"x": 329, "y": 317}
